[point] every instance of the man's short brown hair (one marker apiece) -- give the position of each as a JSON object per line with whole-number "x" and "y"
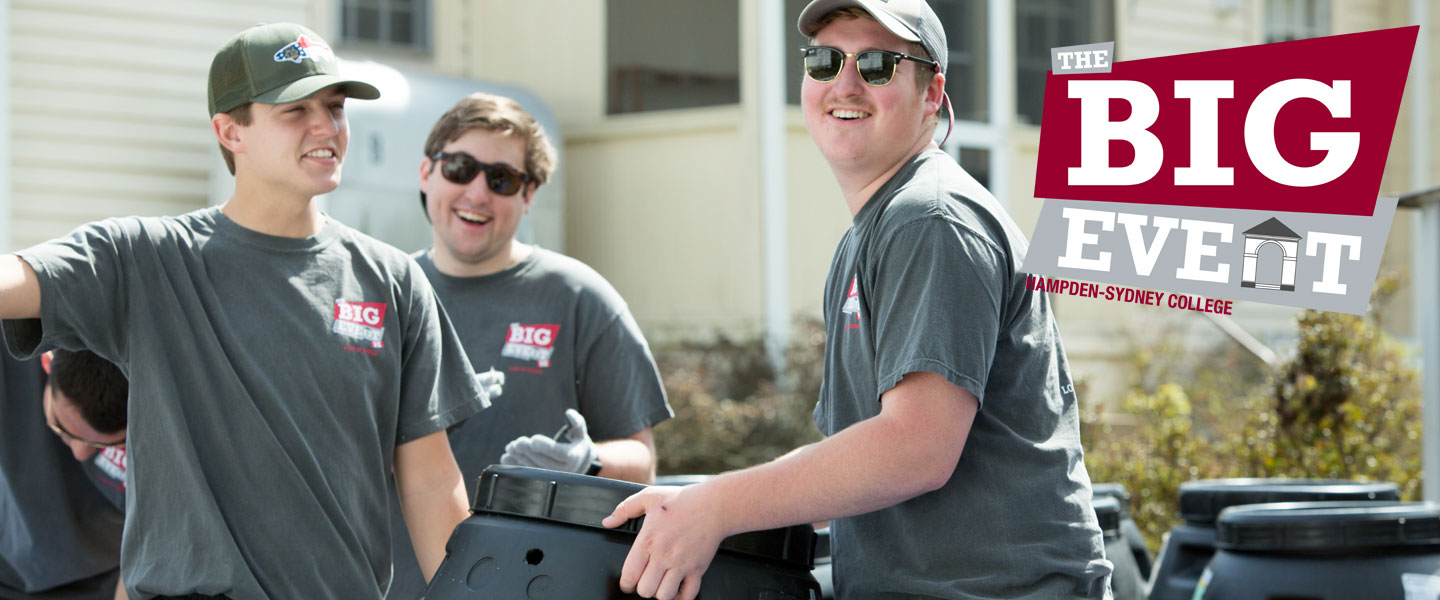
{"x": 241, "y": 116}
{"x": 489, "y": 112}
{"x": 95, "y": 386}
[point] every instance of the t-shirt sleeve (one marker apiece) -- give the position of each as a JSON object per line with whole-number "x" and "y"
{"x": 936, "y": 303}
{"x": 437, "y": 387}
{"x": 82, "y": 281}
{"x": 619, "y": 386}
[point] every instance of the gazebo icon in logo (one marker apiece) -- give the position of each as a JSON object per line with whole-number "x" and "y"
{"x": 1270, "y": 232}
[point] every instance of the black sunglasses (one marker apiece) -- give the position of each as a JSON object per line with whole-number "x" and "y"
{"x": 876, "y": 67}
{"x": 461, "y": 168}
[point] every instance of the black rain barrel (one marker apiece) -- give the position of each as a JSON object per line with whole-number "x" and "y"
{"x": 1128, "y": 529}
{"x": 1188, "y": 547}
{"x": 535, "y": 534}
{"x": 1325, "y": 551}
{"x": 1125, "y": 582}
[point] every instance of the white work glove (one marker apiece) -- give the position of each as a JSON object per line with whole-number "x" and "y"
{"x": 573, "y": 452}
{"x": 492, "y": 382}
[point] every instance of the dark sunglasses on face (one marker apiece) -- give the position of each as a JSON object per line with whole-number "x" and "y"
{"x": 461, "y": 168}
{"x": 876, "y": 67}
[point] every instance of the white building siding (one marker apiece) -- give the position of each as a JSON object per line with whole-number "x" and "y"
{"x": 108, "y": 111}
{"x": 1152, "y": 29}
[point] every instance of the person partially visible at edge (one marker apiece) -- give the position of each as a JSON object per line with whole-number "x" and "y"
{"x": 282, "y": 364}
{"x": 62, "y": 477}
{"x": 571, "y": 355}
{"x": 952, "y": 466}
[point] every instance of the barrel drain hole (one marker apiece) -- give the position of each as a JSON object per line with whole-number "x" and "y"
{"x": 534, "y": 556}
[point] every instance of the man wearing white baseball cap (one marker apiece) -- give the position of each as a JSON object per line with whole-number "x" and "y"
{"x": 281, "y": 364}
{"x": 952, "y": 466}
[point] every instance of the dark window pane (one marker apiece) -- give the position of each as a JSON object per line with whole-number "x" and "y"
{"x": 1289, "y": 20}
{"x": 794, "y": 71}
{"x": 968, "y": 75}
{"x": 693, "y": 60}
{"x": 368, "y": 23}
{"x": 384, "y": 22}
{"x": 1044, "y": 24}
{"x": 976, "y": 162}
{"x": 401, "y": 28}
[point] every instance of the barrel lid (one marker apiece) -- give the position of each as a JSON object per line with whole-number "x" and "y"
{"x": 1113, "y": 490}
{"x": 1202, "y": 500}
{"x": 582, "y": 500}
{"x": 1107, "y": 511}
{"x": 1329, "y": 527}
{"x": 684, "y": 479}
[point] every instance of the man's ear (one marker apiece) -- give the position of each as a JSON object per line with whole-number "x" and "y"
{"x": 45, "y": 360}
{"x": 425, "y": 166}
{"x": 529, "y": 193}
{"x": 228, "y": 132}
{"x": 935, "y": 93}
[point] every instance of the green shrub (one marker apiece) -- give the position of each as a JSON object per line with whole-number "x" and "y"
{"x": 729, "y": 411}
{"x": 1346, "y": 405}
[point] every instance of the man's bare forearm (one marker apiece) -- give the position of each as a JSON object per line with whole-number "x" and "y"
{"x": 19, "y": 289}
{"x": 432, "y": 496}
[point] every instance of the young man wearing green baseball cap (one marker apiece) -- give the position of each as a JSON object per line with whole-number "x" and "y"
{"x": 281, "y": 364}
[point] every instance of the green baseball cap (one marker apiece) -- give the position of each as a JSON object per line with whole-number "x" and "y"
{"x": 276, "y": 63}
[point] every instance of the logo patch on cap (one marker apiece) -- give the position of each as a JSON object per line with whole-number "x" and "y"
{"x": 303, "y": 48}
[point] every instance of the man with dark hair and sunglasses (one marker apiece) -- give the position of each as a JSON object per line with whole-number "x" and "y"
{"x": 284, "y": 365}
{"x": 952, "y": 466}
{"x": 62, "y": 500}
{"x": 572, "y": 356}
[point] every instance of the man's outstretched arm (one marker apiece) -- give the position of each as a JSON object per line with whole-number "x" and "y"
{"x": 911, "y": 448}
{"x": 432, "y": 496}
{"x": 19, "y": 289}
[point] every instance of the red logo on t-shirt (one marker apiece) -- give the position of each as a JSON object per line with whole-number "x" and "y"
{"x": 531, "y": 342}
{"x": 111, "y": 462}
{"x": 361, "y": 320}
{"x": 852, "y": 302}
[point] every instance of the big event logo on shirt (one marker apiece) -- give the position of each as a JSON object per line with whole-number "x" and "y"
{"x": 531, "y": 342}
{"x": 1249, "y": 173}
{"x": 364, "y": 321}
{"x": 111, "y": 462}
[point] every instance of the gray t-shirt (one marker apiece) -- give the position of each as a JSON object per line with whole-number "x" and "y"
{"x": 270, "y": 381}
{"x": 56, "y": 527}
{"x": 564, "y": 339}
{"x": 926, "y": 280}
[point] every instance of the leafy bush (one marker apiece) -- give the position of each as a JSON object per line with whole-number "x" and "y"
{"x": 729, "y": 411}
{"x": 1346, "y": 405}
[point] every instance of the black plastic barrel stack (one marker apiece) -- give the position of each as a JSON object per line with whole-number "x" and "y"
{"x": 1188, "y": 547}
{"x": 1326, "y": 551}
{"x": 1128, "y": 529}
{"x": 1125, "y": 581}
{"x": 535, "y": 534}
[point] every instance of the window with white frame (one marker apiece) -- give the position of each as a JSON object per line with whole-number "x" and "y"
{"x": 1288, "y": 20}
{"x": 1044, "y": 24}
{"x": 390, "y": 23}
{"x": 663, "y": 54}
